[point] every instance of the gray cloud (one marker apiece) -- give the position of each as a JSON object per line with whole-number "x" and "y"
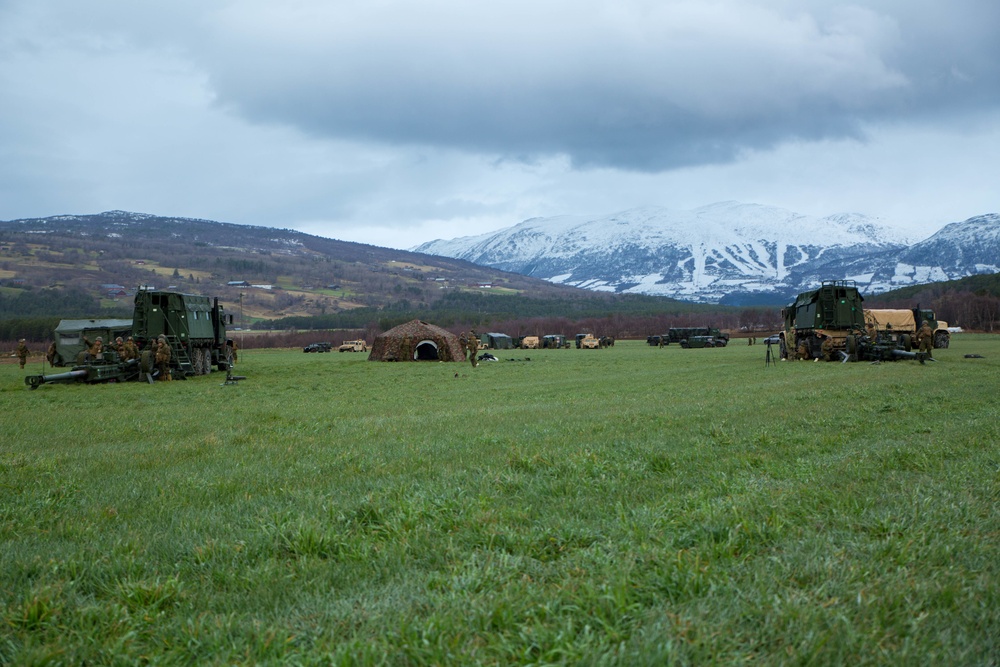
{"x": 392, "y": 122}
{"x": 637, "y": 85}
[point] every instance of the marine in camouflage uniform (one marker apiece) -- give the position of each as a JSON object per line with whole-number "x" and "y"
{"x": 802, "y": 347}
{"x": 50, "y": 354}
{"x": 827, "y": 348}
{"x": 22, "y": 353}
{"x": 95, "y": 349}
{"x": 470, "y": 345}
{"x": 163, "y": 359}
{"x": 119, "y": 347}
{"x": 129, "y": 351}
{"x": 925, "y": 338}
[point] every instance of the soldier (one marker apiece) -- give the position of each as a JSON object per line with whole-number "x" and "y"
{"x": 802, "y": 349}
{"x": 119, "y": 347}
{"x": 129, "y": 350}
{"x": 827, "y": 348}
{"x": 163, "y": 358}
{"x": 235, "y": 348}
{"x": 925, "y": 338}
{"x": 50, "y": 354}
{"x": 95, "y": 349}
{"x": 471, "y": 346}
{"x": 22, "y": 352}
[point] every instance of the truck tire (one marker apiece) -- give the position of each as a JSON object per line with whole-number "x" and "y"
{"x": 852, "y": 347}
{"x": 942, "y": 340}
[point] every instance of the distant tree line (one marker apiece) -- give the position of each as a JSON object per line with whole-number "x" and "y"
{"x": 972, "y": 303}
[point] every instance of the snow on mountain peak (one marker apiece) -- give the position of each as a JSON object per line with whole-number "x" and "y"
{"x": 704, "y": 254}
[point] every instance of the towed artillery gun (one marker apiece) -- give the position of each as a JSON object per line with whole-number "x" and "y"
{"x": 107, "y": 368}
{"x": 194, "y": 327}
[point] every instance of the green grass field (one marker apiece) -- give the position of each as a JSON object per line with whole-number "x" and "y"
{"x": 625, "y": 506}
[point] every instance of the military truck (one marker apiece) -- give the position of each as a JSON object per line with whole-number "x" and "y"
{"x": 530, "y": 343}
{"x": 194, "y": 326}
{"x": 353, "y": 346}
{"x": 495, "y": 341}
{"x": 702, "y": 341}
{"x": 678, "y": 334}
{"x": 554, "y": 342}
{"x": 835, "y": 310}
{"x": 587, "y": 342}
{"x": 901, "y": 324}
{"x": 70, "y": 336}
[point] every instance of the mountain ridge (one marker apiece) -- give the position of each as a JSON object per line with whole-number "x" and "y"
{"x": 726, "y": 252}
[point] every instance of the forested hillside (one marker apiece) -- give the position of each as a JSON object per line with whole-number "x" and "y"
{"x": 282, "y": 280}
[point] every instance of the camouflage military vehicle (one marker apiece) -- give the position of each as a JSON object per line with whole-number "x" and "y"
{"x": 835, "y": 310}
{"x": 554, "y": 342}
{"x": 353, "y": 346}
{"x": 901, "y": 325}
{"x": 678, "y": 334}
{"x": 194, "y": 326}
{"x": 530, "y": 343}
{"x": 587, "y": 342}
{"x": 702, "y": 341}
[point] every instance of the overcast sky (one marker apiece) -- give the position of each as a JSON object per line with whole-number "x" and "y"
{"x": 393, "y": 123}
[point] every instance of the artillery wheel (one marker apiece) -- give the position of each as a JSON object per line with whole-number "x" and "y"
{"x": 907, "y": 342}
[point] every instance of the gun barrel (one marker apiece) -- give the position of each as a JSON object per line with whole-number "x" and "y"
{"x": 35, "y": 381}
{"x": 903, "y": 354}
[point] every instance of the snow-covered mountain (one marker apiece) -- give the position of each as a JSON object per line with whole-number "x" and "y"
{"x": 727, "y": 252}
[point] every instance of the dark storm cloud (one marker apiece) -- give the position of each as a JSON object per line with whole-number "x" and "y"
{"x": 634, "y": 85}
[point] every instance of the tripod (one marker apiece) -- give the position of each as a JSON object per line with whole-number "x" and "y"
{"x": 769, "y": 359}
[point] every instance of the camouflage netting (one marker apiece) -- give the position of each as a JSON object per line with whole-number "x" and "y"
{"x": 417, "y": 341}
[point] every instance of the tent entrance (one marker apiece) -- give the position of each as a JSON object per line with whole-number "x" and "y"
{"x": 426, "y": 350}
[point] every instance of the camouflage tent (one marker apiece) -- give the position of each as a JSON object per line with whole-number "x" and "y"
{"x": 416, "y": 341}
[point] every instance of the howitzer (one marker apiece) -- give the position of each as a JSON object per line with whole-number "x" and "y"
{"x": 107, "y": 369}
{"x": 869, "y": 351}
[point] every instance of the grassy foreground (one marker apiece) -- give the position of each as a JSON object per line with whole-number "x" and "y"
{"x": 626, "y": 506}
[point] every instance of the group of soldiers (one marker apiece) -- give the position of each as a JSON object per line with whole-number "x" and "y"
{"x": 157, "y": 354}
{"x": 802, "y": 350}
{"x": 470, "y": 346}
